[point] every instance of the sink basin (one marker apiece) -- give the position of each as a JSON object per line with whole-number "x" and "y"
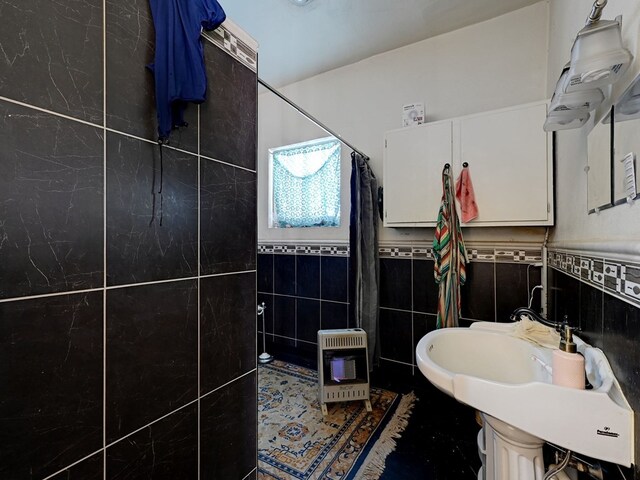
{"x": 487, "y": 368}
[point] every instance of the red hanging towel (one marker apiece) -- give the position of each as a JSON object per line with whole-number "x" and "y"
{"x": 466, "y": 197}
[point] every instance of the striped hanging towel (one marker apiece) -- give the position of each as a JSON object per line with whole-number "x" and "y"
{"x": 450, "y": 257}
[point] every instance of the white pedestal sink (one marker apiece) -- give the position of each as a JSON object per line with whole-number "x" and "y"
{"x": 509, "y": 379}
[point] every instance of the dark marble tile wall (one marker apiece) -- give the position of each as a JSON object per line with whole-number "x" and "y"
{"x": 607, "y": 322}
{"x": 495, "y": 286}
{"x": 305, "y": 289}
{"x": 127, "y": 334}
{"x": 308, "y": 289}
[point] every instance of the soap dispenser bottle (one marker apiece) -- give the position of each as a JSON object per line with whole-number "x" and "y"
{"x": 568, "y": 365}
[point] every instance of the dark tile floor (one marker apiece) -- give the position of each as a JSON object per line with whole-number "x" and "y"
{"x": 440, "y": 441}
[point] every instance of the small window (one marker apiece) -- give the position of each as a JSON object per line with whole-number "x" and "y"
{"x": 305, "y": 184}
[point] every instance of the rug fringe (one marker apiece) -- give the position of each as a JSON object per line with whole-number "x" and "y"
{"x": 373, "y": 465}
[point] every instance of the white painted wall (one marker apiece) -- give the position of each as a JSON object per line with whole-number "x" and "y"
{"x": 616, "y": 229}
{"x": 490, "y": 65}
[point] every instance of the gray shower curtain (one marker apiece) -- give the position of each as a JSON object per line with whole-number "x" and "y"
{"x": 363, "y": 242}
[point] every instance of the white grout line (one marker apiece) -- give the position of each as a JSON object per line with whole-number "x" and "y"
{"x": 224, "y": 274}
{"x": 249, "y": 474}
{"x": 413, "y": 350}
{"x": 154, "y": 282}
{"x": 56, "y": 294}
{"x": 229, "y": 164}
{"x": 150, "y": 423}
{"x": 115, "y": 287}
{"x": 199, "y": 309}
{"x": 104, "y": 240}
{"x": 337, "y": 302}
{"x": 51, "y": 112}
{"x": 73, "y": 464}
{"x": 396, "y": 361}
{"x": 113, "y": 130}
{"x": 230, "y": 382}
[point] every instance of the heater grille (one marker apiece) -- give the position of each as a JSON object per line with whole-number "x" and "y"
{"x": 342, "y": 341}
{"x": 339, "y": 396}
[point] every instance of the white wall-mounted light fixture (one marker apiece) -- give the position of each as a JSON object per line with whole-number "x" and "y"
{"x": 598, "y": 57}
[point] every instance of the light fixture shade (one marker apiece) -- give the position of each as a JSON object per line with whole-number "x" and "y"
{"x": 582, "y": 100}
{"x": 598, "y": 57}
{"x": 563, "y": 121}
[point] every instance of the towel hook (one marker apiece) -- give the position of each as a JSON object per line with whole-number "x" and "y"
{"x": 465, "y": 165}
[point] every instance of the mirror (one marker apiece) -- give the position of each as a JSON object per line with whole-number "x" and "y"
{"x": 626, "y": 144}
{"x": 599, "y": 167}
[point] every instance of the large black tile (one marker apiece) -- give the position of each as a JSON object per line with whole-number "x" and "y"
{"x": 284, "y": 274}
{"x": 227, "y": 328}
{"x": 478, "y": 301}
{"x": 52, "y": 56}
{"x": 334, "y": 315}
{"x": 591, "y": 315}
{"x": 423, "y": 323}
{"x": 152, "y": 353}
{"x": 51, "y": 203}
{"x": 227, "y": 218}
{"x": 308, "y": 276}
{"x": 139, "y": 248}
{"x": 564, "y": 298}
{"x": 88, "y": 469}
{"x": 228, "y": 117}
{"x": 425, "y": 289}
{"x": 334, "y": 273}
{"x": 621, "y": 334}
{"x": 167, "y": 449}
{"x": 511, "y": 288}
{"x": 396, "y": 341}
{"x": 395, "y": 283}
{"x": 130, "y": 85}
{"x": 228, "y": 430}
{"x": 284, "y": 316}
{"x": 308, "y": 318}
{"x": 51, "y": 371}
{"x": 265, "y": 272}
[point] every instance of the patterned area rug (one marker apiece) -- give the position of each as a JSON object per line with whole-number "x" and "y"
{"x": 296, "y": 442}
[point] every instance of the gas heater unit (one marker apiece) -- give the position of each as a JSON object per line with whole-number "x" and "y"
{"x": 343, "y": 366}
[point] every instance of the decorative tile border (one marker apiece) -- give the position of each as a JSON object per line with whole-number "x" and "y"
{"x": 235, "y": 47}
{"x": 621, "y": 279}
{"x": 307, "y": 249}
{"x": 414, "y": 252}
{"x": 293, "y": 249}
{"x": 394, "y": 252}
{"x": 340, "y": 250}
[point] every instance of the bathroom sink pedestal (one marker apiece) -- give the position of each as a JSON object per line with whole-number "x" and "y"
{"x": 509, "y": 453}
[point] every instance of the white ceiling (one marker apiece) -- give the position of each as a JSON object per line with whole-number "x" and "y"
{"x": 298, "y": 42}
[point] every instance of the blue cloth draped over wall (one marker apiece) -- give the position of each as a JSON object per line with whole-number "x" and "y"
{"x": 178, "y": 66}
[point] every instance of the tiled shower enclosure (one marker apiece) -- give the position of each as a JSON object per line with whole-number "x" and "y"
{"x": 127, "y": 278}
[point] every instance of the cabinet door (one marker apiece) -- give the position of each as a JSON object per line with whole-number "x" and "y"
{"x": 510, "y": 167}
{"x": 413, "y": 162}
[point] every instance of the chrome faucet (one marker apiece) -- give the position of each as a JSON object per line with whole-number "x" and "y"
{"x": 515, "y": 316}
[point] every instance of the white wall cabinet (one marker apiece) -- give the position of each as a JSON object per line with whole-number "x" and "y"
{"x": 510, "y": 162}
